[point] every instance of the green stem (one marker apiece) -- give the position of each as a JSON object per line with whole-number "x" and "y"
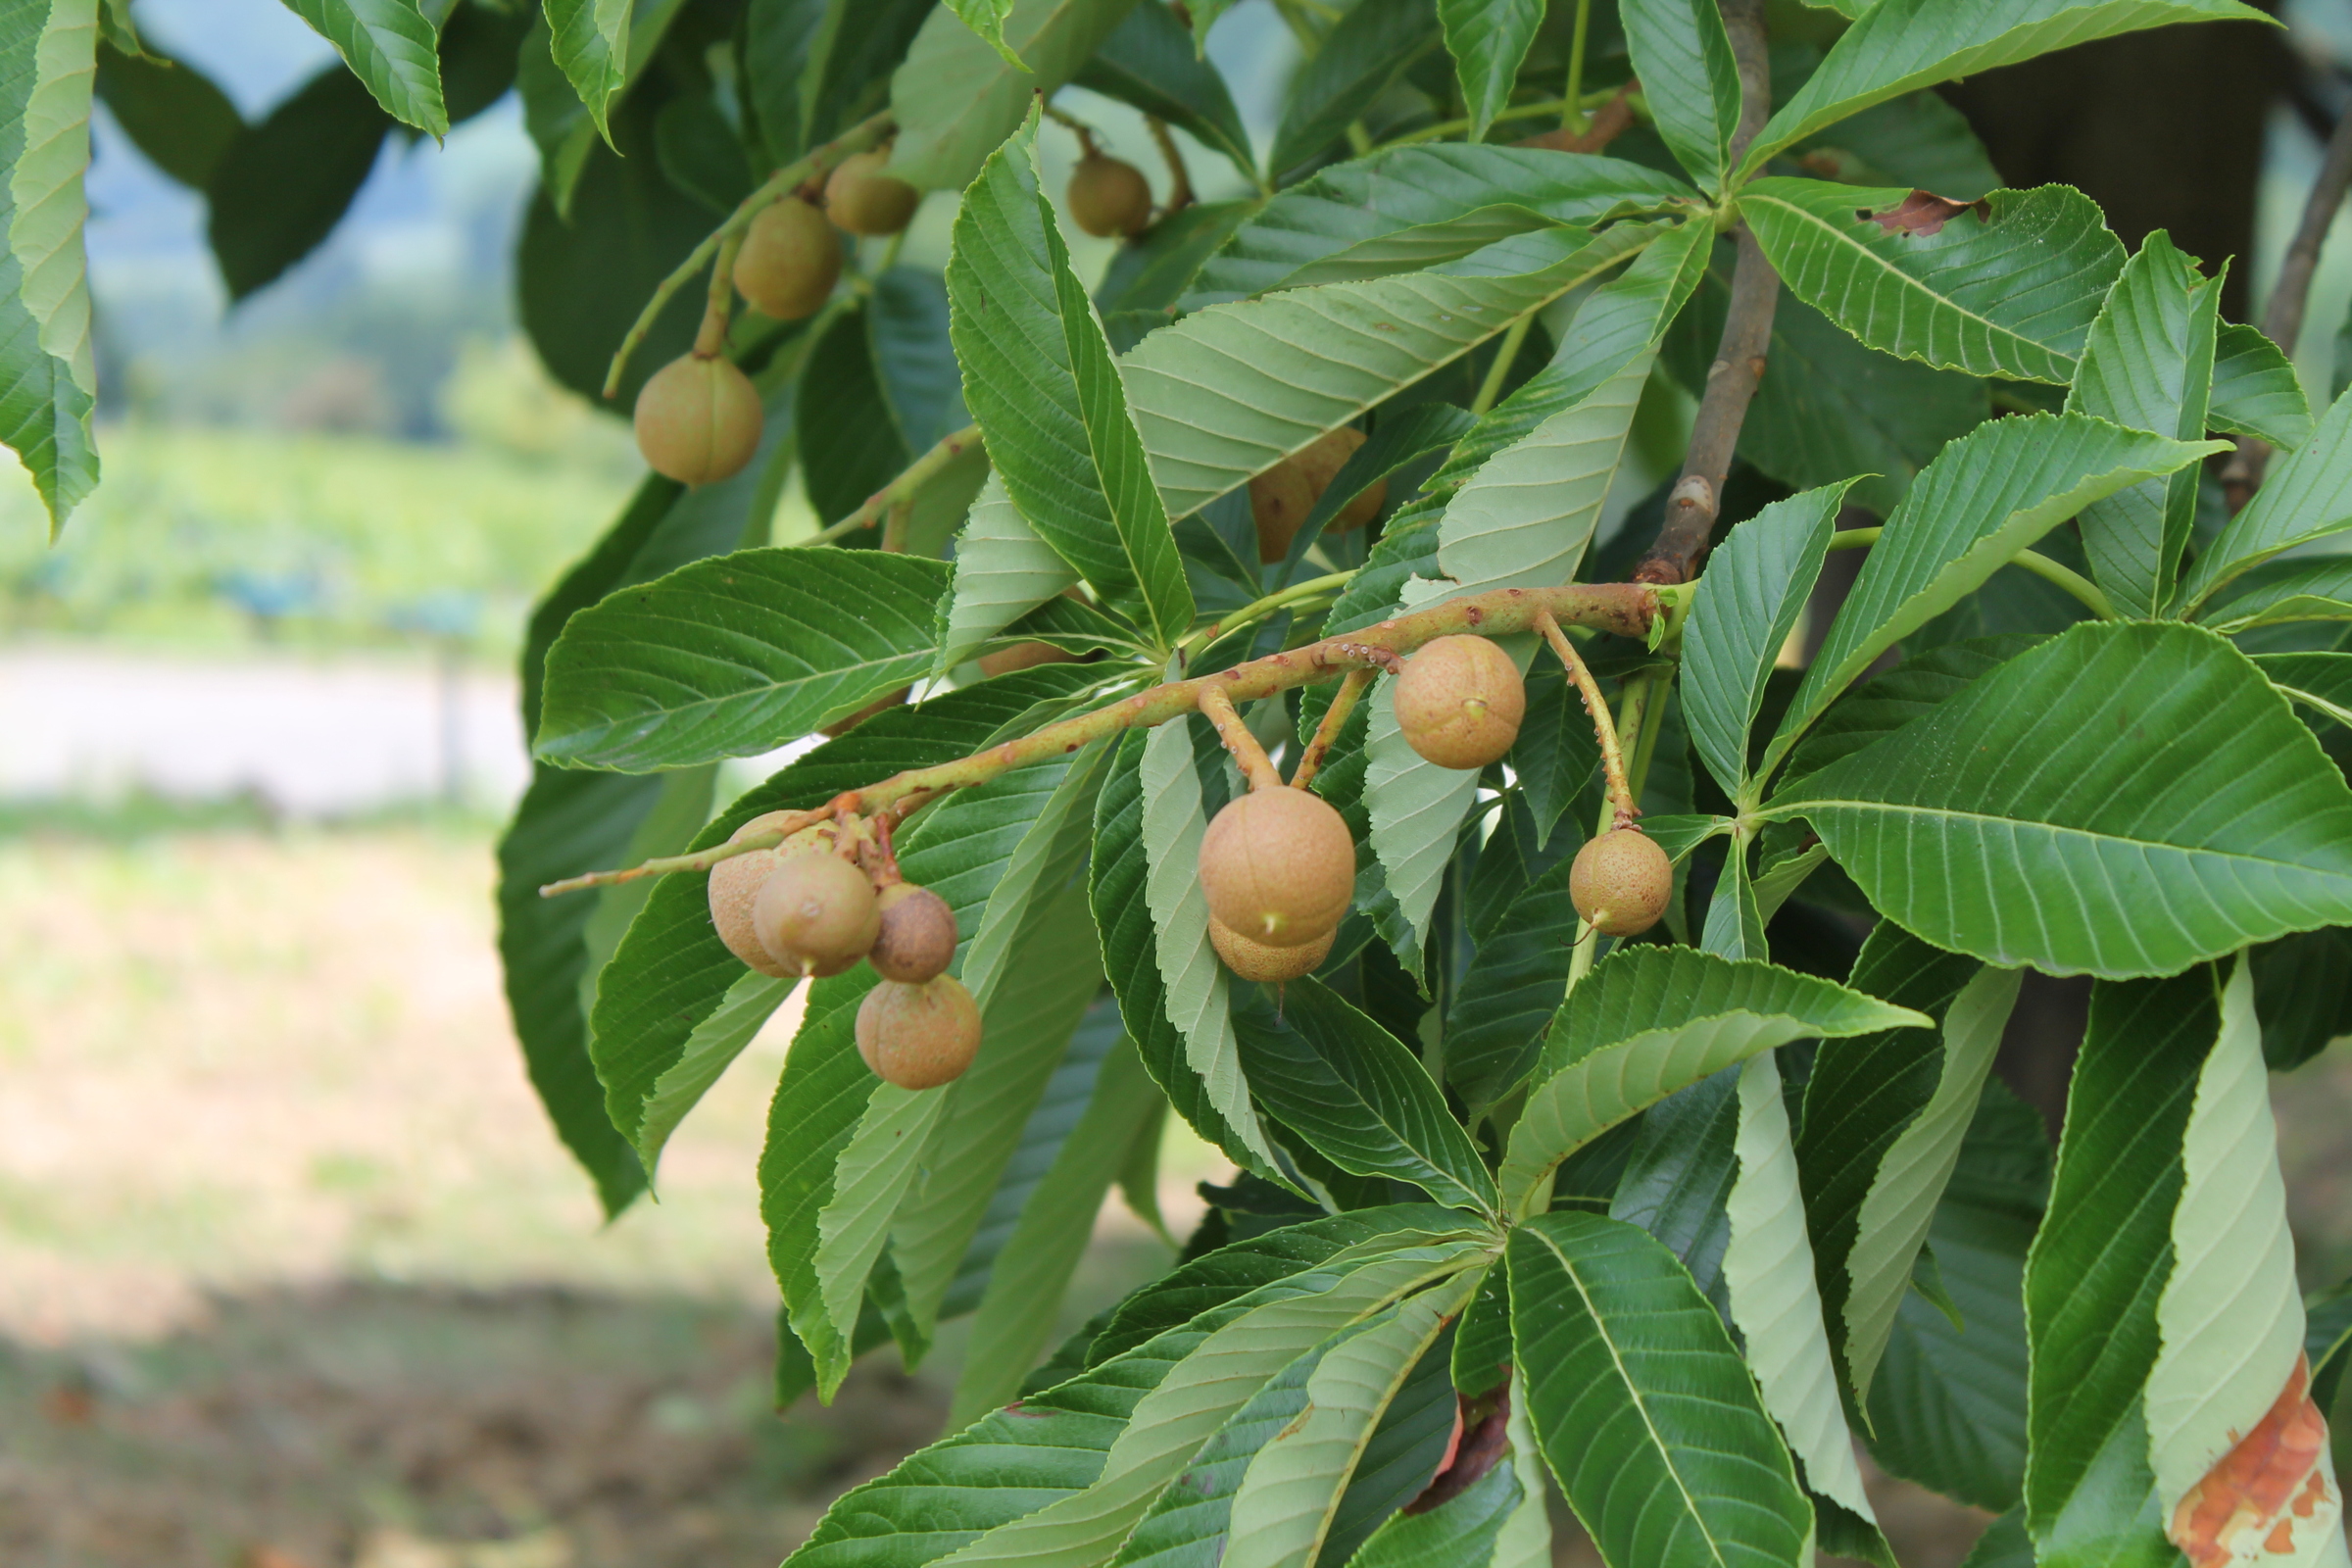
{"x": 2032, "y": 560}
{"x": 1572, "y": 110}
{"x": 1504, "y": 352}
{"x": 1259, "y": 610}
{"x": 910, "y": 480}
{"x": 1624, "y": 608}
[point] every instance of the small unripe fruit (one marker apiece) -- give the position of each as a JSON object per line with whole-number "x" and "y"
{"x": 1023, "y": 656}
{"x": 1322, "y": 459}
{"x": 698, "y": 419}
{"x": 1459, "y": 701}
{"x": 1621, "y": 882}
{"x": 815, "y": 913}
{"x": 790, "y": 261}
{"x": 861, "y": 199}
{"x": 1278, "y": 867}
{"x": 1279, "y": 501}
{"x": 918, "y": 1037}
{"x": 735, "y": 886}
{"x": 1254, "y": 961}
{"x": 916, "y": 941}
{"x": 1109, "y": 196}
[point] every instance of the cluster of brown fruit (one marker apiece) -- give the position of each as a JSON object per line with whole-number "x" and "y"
{"x": 1459, "y": 703}
{"x": 1281, "y": 498}
{"x": 807, "y": 908}
{"x": 698, "y": 418}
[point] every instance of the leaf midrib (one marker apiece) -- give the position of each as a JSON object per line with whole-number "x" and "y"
{"x": 1800, "y": 807}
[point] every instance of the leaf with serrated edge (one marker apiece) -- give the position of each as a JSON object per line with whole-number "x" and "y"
{"x": 1768, "y": 1265}
{"x": 1230, "y": 391}
{"x": 1641, "y": 1405}
{"x": 1003, "y": 571}
{"x": 1174, "y": 823}
{"x": 2009, "y": 293}
{"x": 956, "y": 98}
{"x": 2307, "y": 496}
{"x": 1683, "y": 56}
{"x": 1910, "y": 1178}
{"x": 715, "y": 1041}
{"x": 1987, "y": 496}
{"x": 1417, "y": 810}
{"x": 1293, "y": 1483}
{"x": 591, "y": 39}
{"x": 2279, "y": 591}
{"x": 1747, "y": 604}
{"x": 2016, "y": 821}
{"x": 2231, "y": 1313}
{"x": 1648, "y": 1021}
{"x": 1489, "y": 41}
{"x": 1365, "y": 49}
{"x": 2256, "y": 391}
{"x": 1898, "y": 45}
{"x": 393, "y": 47}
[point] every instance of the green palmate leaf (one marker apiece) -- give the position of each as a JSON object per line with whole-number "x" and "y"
{"x": 1285, "y": 1507}
{"x": 2148, "y": 365}
{"x": 279, "y": 189}
{"x": 734, "y": 656}
{"x": 1887, "y": 703}
{"x": 2303, "y": 994}
{"x": 2007, "y": 288}
{"x": 1230, "y": 391}
{"x": 2013, "y": 823}
{"x": 814, "y": 67}
{"x": 1197, "y": 988}
{"x": 1988, "y": 496}
{"x": 1043, "y": 1250}
{"x": 2307, "y": 496}
{"x": 1948, "y": 1406}
{"x": 1898, "y": 45}
{"x": 1052, "y": 1446}
{"x": 1525, "y": 517}
{"x": 1149, "y": 63}
{"x": 671, "y": 977}
{"x": 591, "y": 41}
{"x": 1039, "y": 378}
{"x": 1489, "y": 40}
{"x": 1003, "y": 571}
{"x": 819, "y": 1102}
{"x": 2093, "y": 1279}
{"x": 1460, "y": 1533}
{"x": 1684, "y": 59}
{"x": 1735, "y": 924}
{"x": 391, "y": 46}
{"x": 1421, "y": 204}
{"x": 1747, "y": 606}
{"x": 1170, "y": 1423}
{"x": 2255, "y": 389}
{"x": 2315, "y": 589}
{"x": 957, "y": 97}
{"x": 48, "y": 378}
{"x": 716, "y": 1041}
{"x": 171, "y": 112}
{"x": 1768, "y": 1268}
{"x": 1366, "y": 50}
{"x": 849, "y": 444}
{"x": 1648, "y": 1022}
{"x": 2320, "y": 681}
{"x": 1358, "y": 1096}
{"x": 1642, "y": 1407}
{"x": 1506, "y": 998}
{"x": 2231, "y": 1313}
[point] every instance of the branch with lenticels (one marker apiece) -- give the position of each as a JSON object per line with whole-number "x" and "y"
{"x": 1627, "y": 608}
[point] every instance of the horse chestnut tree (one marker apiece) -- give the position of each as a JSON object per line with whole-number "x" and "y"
{"x": 1225, "y": 856}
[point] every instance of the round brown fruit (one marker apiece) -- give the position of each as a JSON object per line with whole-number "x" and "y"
{"x": 1109, "y": 196}
{"x": 790, "y": 261}
{"x": 917, "y": 938}
{"x": 735, "y": 886}
{"x": 815, "y": 913}
{"x": 698, "y": 419}
{"x": 918, "y": 1037}
{"x": 1459, "y": 701}
{"x": 1023, "y": 656}
{"x": 1278, "y": 867}
{"x": 1279, "y": 501}
{"x": 863, "y": 200}
{"x": 1322, "y": 459}
{"x": 1620, "y": 882}
{"x": 1254, "y": 961}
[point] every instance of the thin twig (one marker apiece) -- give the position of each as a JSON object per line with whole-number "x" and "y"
{"x": 907, "y": 486}
{"x": 1696, "y": 498}
{"x": 1327, "y": 733}
{"x": 1572, "y": 114}
{"x": 1504, "y": 352}
{"x": 1257, "y": 766}
{"x": 1616, "y": 117}
{"x": 2041, "y": 565}
{"x": 1627, "y": 608}
{"x": 710, "y": 338}
{"x": 1180, "y": 178}
{"x": 2283, "y": 317}
{"x": 1605, "y": 728}
{"x": 856, "y": 139}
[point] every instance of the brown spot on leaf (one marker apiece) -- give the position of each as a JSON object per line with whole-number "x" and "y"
{"x": 1923, "y": 213}
{"x": 2247, "y": 1495}
{"x": 1480, "y": 1436}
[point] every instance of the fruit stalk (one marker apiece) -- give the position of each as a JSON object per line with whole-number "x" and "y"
{"x": 1605, "y": 728}
{"x": 710, "y": 338}
{"x": 1627, "y": 608}
{"x": 858, "y": 139}
{"x": 1256, "y": 765}
{"x": 1327, "y": 733}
